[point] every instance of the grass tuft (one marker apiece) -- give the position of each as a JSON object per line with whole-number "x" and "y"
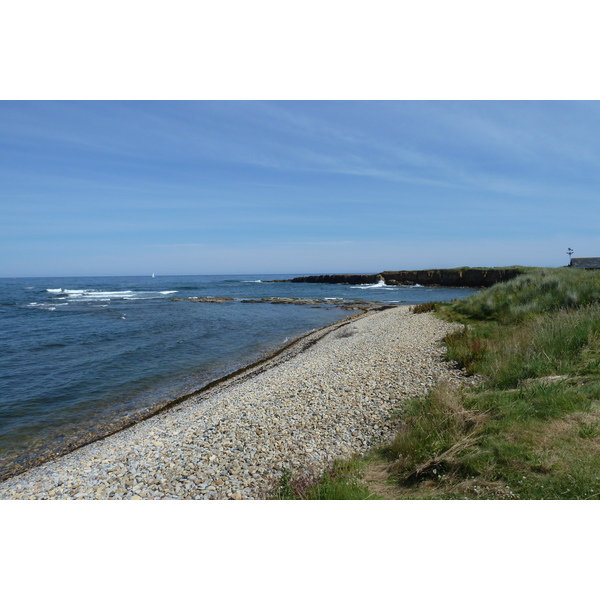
{"x": 425, "y": 307}
{"x": 435, "y": 431}
{"x": 340, "y": 481}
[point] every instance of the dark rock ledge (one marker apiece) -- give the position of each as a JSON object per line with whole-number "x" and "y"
{"x": 313, "y": 302}
{"x": 477, "y": 277}
{"x": 217, "y": 299}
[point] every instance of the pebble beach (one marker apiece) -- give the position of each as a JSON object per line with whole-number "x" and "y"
{"x": 329, "y": 395}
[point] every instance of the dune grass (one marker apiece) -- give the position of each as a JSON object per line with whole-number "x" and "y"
{"x": 531, "y": 428}
{"x": 538, "y": 292}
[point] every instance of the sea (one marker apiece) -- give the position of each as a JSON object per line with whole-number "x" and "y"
{"x": 81, "y": 357}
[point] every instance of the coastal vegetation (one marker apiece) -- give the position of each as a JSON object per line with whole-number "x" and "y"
{"x": 341, "y": 481}
{"x": 527, "y": 423}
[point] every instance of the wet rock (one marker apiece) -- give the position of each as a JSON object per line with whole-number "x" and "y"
{"x": 216, "y": 299}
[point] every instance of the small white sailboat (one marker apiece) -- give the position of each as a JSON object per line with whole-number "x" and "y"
{"x": 152, "y": 274}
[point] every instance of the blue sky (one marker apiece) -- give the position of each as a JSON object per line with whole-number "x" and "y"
{"x": 203, "y": 187}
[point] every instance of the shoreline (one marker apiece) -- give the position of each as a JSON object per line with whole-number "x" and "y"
{"x": 147, "y": 413}
{"x": 241, "y": 431}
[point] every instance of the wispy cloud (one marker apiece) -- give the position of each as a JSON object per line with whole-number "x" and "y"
{"x": 293, "y": 178}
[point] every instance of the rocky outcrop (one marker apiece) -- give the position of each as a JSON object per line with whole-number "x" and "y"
{"x": 467, "y": 277}
{"x": 214, "y": 299}
{"x": 461, "y": 277}
{"x": 354, "y": 279}
{"x": 312, "y": 302}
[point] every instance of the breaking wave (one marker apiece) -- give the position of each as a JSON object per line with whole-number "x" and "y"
{"x": 107, "y": 295}
{"x": 379, "y": 284}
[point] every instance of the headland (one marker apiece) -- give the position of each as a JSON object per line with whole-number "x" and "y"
{"x": 478, "y": 277}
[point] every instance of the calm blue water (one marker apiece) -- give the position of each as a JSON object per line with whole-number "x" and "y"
{"x": 80, "y": 357}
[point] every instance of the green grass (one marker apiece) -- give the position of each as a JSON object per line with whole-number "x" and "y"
{"x": 434, "y": 431}
{"x": 530, "y": 428}
{"x": 565, "y": 343}
{"x": 341, "y": 481}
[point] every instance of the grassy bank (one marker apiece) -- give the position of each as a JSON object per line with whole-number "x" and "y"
{"x": 530, "y": 426}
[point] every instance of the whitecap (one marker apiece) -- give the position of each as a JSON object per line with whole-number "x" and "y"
{"x": 96, "y": 294}
{"x": 379, "y": 284}
{"x": 41, "y": 306}
{"x": 108, "y": 295}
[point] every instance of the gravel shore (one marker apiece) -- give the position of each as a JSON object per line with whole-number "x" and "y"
{"x": 327, "y": 396}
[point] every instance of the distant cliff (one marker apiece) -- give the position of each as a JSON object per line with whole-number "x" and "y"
{"x": 474, "y": 278}
{"x": 461, "y": 277}
{"x": 354, "y": 279}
